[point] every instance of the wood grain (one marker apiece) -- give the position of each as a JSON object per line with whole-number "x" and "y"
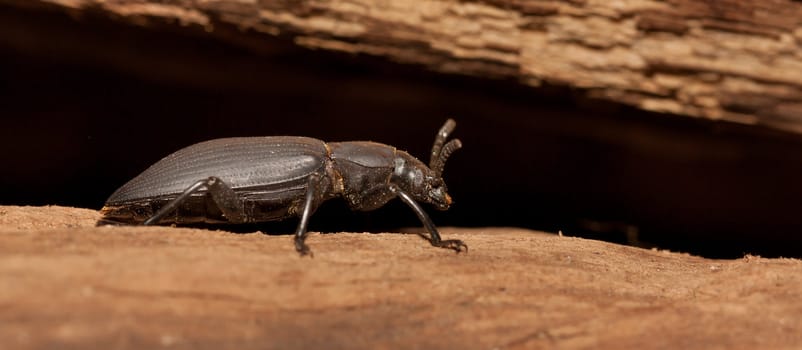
{"x": 67, "y": 284}
{"x": 733, "y": 60}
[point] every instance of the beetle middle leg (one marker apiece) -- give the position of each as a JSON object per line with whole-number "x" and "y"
{"x": 226, "y": 199}
{"x": 311, "y": 199}
{"x": 434, "y": 235}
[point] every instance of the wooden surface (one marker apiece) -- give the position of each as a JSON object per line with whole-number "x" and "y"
{"x": 67, "y": 284}
{"x": 734, "y": 60}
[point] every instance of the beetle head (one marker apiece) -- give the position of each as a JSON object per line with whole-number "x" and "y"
{"x": 423, "y": 183}
{"x": 420, "y": 182}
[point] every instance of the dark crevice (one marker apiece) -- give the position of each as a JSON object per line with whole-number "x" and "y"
{"x": 87, "y": 104}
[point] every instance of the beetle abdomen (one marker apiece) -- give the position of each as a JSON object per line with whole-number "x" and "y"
{"x": 242, "y": 162}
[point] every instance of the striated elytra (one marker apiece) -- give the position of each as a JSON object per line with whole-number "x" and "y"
{"x": 257, "y": 179}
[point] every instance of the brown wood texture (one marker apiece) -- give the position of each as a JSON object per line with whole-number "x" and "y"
{"x": 66, "y": 284}
{"x": 734, "y": 60}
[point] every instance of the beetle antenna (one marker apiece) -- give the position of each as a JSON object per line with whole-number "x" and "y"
{"x": 439, "y": 140}
{"x": 449, "y": 148}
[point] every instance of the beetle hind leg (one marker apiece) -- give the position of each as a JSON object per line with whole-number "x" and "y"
{"x": 226, "y": 199}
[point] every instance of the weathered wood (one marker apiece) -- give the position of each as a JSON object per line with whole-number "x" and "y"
{"x": 67, "y": 284}
{"x": 734, "y": 60}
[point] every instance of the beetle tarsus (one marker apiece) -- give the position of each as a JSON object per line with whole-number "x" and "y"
{"x": 453, "y": 244}
{"x": 302, "y": 248}
{"x": 434, "y": 235}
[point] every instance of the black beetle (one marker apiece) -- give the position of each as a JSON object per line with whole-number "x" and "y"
{"x": 256, "y": 179}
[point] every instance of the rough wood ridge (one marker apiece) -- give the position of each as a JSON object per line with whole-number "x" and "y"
{"x": 735, "y": 60}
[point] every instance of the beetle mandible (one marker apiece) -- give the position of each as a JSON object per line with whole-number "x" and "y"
{"x": 257, "y": 179}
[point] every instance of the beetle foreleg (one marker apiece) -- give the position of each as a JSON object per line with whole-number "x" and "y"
{"x": 312, "y": 191}
{"x": 225, "y": 198}
{"x": 434, "y": 235}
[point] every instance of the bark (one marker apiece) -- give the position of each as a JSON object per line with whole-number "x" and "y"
{"x": 734, "y": 60}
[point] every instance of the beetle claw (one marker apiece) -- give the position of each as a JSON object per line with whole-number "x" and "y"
{"x": 303, "y": 249}
{"x": 453, "y": 244}
{"x": 306, "y": 252}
